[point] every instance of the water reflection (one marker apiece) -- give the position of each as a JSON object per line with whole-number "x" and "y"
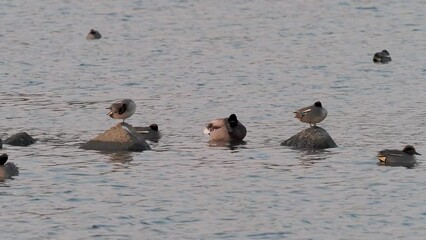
{"x": 119, "y": 157}
{"x": 309, "y": 157}
{"x": 232, "y": 145}
{"x": 407, "y": 165}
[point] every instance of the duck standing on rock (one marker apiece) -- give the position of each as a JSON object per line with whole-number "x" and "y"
{"x": 122, "y": 109}
{"x": 311, "y": 114}
{"x": 397, "y": 157}
{"x": 226, "y": 129}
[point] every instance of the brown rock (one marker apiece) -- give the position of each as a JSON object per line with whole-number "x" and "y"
{"x": 121, "y": 137}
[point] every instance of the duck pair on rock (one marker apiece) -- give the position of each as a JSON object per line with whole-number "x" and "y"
{"x": 124, "y": 109}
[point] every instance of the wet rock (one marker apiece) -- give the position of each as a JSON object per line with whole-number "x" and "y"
{"x": 313, "y": 138}
{"x": 121, "y": 137}
{"x": 150, "y": 133}
{"x": 20, "y": 139}
{"x": 7, "y": 170}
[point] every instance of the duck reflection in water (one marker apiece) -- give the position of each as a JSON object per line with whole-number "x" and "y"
{"x": 232, "y": 145}
{"x": 120, "y": 157}
{"x": 309, "y": 157}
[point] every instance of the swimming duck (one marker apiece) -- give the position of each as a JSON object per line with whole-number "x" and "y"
{"x": 312, "y": 114}
{"x": 122, "y": 109}
{"x": 226, "y": 129}
{"x": 93, "y": 34}
{"x": 151, "y": 132}
{"x": 398, "y": 157}
{"x": 7, "y": 170}
{"x": 382, "y": 57}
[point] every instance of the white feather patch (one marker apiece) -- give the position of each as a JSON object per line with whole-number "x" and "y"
{"x": 206, "y": 131}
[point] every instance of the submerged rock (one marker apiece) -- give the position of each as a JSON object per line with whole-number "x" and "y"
{"x": 121, "y": 137}
{"x": 7, "y": 170}
{"x": 20, "y": 139}
{"x": 313, "y": 137}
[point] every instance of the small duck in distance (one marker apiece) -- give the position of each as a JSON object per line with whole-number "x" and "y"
{"x": 226, "y": 129}
{"x": 312, "y": 114}
{"x": 397, "y": 157}
{"x": 382, "y": 57}
{"x": 122, "y": 109}
{"x": 93, "y": 34}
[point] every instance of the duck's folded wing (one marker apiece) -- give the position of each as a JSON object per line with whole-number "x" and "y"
{"x": 302, "y": 112}
{"x": 384, "y": 154}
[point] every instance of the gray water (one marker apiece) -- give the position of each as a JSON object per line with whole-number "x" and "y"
{"x": 185, "y": 63}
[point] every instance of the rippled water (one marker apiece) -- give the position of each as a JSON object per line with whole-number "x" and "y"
{"x": 184, "y": 63}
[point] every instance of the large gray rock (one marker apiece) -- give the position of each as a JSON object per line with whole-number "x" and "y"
{"x": 313, "y": 137}
{"x": 121, "y": 137}
{"x": 20, "y": 139}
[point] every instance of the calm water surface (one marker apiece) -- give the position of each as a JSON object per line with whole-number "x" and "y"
{"x": 184, "y": 63}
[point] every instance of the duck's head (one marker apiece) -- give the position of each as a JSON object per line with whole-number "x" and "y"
{"x": 318, "y": 104}
{"x": 3, "y": 159}
{"x": 154, "y": 127}
{"x": 385, "y": 52}
{"x": 233, "y": 121}
{"x": 410, "y": 150}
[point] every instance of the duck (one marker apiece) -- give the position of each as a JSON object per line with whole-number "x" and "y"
{"x": 398, "y": 157}
{"x": 122, "y": 109}
{"x": 382, "y": 57}
{"x": 226, "y": 129}
{"x": 93, "y": 34}
{"x": 313, "y": 114}
{"x": 9, "y": 169}
{"x": 151, "y": 132}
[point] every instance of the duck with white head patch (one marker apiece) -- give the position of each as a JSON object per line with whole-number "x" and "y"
{"x": 226, "y": 129}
